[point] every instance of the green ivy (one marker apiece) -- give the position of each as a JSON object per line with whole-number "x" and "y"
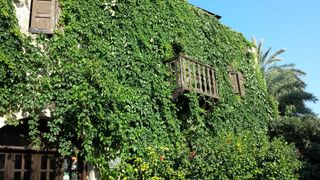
{"x": 104, "y": 77}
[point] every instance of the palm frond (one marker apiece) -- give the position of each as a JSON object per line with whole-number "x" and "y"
{"x": 277, "y": 53}
{"x": 264, "y": 56}
{"x": 284, "y": 81}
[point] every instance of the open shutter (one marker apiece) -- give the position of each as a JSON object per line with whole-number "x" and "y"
{"x": 234, "y": 82}
{"x": 241, "y": 84}
{"x": 43, "y": 16}
{"x": 237, "y": 81}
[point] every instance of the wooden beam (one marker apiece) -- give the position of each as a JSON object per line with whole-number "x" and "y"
{"x": 26, "y": 148}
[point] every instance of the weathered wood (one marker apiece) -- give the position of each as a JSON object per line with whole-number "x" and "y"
{"x": 204, "y": 79}
{"x": 200, "y": 77}
{"x": 212, "y": 84}
{"x": 48, "y": 168}
{"x": 181, "y": 71}
{"x": 43, "y": 16}
{"x": 22, "y": 169}
{"x": 193, "y": 76}
{"x": 35, "y": 166}
{"x": 209, "y": 81}
{"x": 241, "y": 84}
{"x": 188, "y": 75}
{"x": 18, "y": 163}
{"x": 25, "y": 149}
{"x": 237, "y": 82}
{"x": 215, "y": 83}
{"x": 8, "y": 166}
{"x": 234, "y": 81}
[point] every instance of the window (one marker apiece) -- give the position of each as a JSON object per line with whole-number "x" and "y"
{"x": 237, "y": 82}
{"x": 27, "y": 166}
{"x": 44, "y": 16}
{"x": 22, "y": 166}
{"x": 70, "y": 168}
{"x": 47, "y": 168}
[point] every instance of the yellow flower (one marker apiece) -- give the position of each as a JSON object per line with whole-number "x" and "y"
{"x": 164, "y": 148}
{"x": 144, "y": 166}
{"x": 138, "y": 160}
{"x": 155, "y": 178}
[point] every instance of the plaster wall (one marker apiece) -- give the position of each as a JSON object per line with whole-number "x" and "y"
{"x": 18, "y": 115}
{"x": 23, "y": 9}
{"x": 2, "y": 122}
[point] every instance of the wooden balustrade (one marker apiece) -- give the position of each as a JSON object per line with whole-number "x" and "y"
{"x": 191, "y": 75}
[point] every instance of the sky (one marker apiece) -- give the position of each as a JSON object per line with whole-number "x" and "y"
{"x": 290, "y": 24}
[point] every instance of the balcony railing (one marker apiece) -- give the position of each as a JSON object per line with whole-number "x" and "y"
{"x": 191, "y": 75}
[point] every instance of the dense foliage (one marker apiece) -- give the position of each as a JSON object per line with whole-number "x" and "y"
{"x": 104, "y": 78}
{"x": 298, "y": 124}
{"x": 304, "y": 132}
{"x": 20, "y": 61}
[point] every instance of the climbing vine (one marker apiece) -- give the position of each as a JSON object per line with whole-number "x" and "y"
{"x": 103, "y": 76}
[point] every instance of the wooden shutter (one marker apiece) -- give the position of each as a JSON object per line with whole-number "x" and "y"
{"x": 43, "y": 16}
{"x": 237, "y": 82}
{"x": 241, "y": 84}
{"x": 234, "y": 82}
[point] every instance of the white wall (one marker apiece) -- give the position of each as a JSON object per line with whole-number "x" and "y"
{"x": 19, "y": 115}
{"x": 2, "y": 122}
{"x": 23, "y": 8}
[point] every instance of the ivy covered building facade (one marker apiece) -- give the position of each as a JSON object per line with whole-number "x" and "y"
{"x": 135, "y": 89}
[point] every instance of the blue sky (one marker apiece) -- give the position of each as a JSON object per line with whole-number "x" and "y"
{"x": 290, "y": 24}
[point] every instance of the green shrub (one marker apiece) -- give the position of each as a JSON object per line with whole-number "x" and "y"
{"x": 245, "y": 155}
{"x": 304, "y": 133}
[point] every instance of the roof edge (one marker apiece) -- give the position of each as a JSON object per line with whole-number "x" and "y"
{"x": 211, "y": 13}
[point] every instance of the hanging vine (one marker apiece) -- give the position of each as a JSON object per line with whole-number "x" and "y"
{"x": 105, "y": 77}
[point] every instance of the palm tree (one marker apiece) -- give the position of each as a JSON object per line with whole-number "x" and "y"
{"x": 284, "y": 82}
{"x": 265, "y": 60}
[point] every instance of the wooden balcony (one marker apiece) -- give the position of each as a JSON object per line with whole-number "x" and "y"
{"x": 191, "y": 75}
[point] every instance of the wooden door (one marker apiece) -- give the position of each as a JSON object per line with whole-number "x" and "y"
{"x": 15, "y": 166}
{"x": 28, "y": 166}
